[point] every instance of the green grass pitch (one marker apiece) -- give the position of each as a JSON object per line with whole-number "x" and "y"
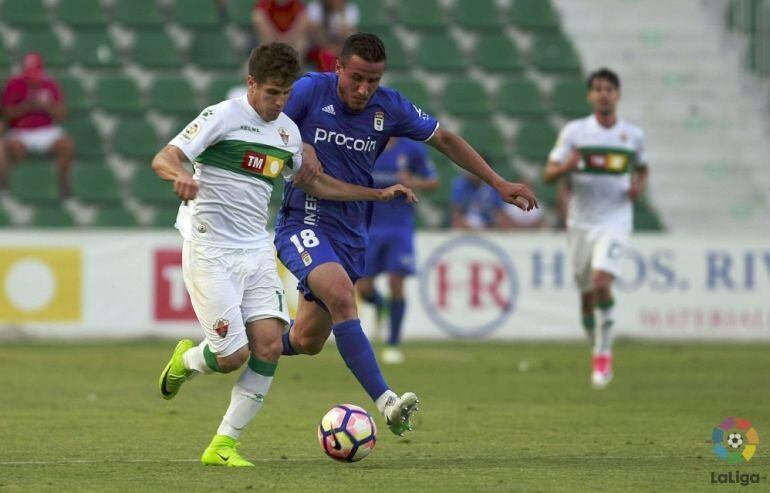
{"x": 495, "y": 417}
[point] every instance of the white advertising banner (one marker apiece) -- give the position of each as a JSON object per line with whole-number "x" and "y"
{"x": 512, "y": 286}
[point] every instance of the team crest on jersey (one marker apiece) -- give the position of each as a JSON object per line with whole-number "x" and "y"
{"x": 191, "y": 131}
{"x": 284, "y": 135}
{"x": 221, "y": 326}
{"x": 379, "y": 121}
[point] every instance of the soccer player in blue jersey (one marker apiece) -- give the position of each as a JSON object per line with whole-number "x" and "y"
{"x": 391, "y": 233}
{"x": 347, "y": 119}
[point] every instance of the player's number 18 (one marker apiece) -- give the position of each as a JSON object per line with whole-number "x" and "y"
{"x": 309, "y": 240}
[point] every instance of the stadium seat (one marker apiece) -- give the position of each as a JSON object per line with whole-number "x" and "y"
{"x": 136, "y": 138}
{"x": 414, "y": 90}
{"x": 212, "y": 50}
{"x": 52, "y": 217}
{"x": 95, "y": 49}
{"x": 75, "y": 97}
{"x": 645, "y": 218}
{"x": 422, "y": 15}
{"x": 373, "y": 16}
{"x": 546, "y": 194}
{"x": 554, "y": 53}
{"x": 569, "y": 98}
{"x": 114, "y": 217}
{"x": 118, "y": 94}
{"x": 155, "y": 49}
{"x": 95, "y": 184}
{"x": 466, "y": 98}
{"x": 88, "y": 142}
{"x": 497, "y": 53}
{"x": 220, "y": 86}
{"x": 534, "y": 141}
{"x": 197, "y": 14}
{"x": 27, "y": 13}
{"x": 520, "y": 97}
{"x": 149, "y": 188}
{"x": 439, "y": 52}
{"x": 478, "y": 15}
{"x": 5, "y": 219}
{"x": 32, "y": 183}
{"x": 46, "y": 43}
{"x": 397, "y": 57}
{"x": 534, "y": 15}
{"x": 82, "y": 13}
{"x": 486, "y": 138}
{"x": 173, "y": 94}
{"x": 240, "y": 12}
{"x": 138, "y": 13}
{"x": 5, "y": 60}
{"x": 165, "y": 216}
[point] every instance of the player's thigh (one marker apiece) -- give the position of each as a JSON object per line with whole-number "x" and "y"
{"x": 215, "y": 296}
{"x": 265, "y": 341}
{"x": 580, "y": 245}
{"x": 301, "y": 249}
{"x": 607, "y": 255}
{"x": 263, "y": 293}
{"x": 331, "y": 284}
{"x": 312, "y": 321}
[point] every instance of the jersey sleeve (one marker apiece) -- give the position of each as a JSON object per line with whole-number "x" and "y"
{"x": 413, "y": 122}
{"x": 289, "y": 172}
{"x": 564, "y": 144}
{"x": 641, "y": 150}
{"x": 205, "y": 130}
{"x": 297, "y": 106}
{"x": 420, "y": 162}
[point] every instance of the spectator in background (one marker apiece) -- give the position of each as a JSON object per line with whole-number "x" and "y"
{"x": 284, "y": 21}
{"x": 476, "y": 205}
{"x": 33, "y": 104}
{"x": 331, "y": 21}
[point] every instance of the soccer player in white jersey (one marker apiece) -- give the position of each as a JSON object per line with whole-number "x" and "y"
{"x": 239, "y": 147}
{"x": 604, "y": 159}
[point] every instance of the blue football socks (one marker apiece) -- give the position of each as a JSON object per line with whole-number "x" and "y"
{"x": 356, "y": 350}
{"x": 288, "y": 350}
{"x": 397, "y": 309}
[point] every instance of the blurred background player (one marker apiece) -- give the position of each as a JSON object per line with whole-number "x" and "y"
{"x": 476, "y": 205}
{"x": 284, "y": 21}
{"x": 33, "y": 104}
{"x": 604, "y": 158}
{"x": 391, "y": 233}
{"x": 348, "y": 118}
{"x": 331, "y": 21}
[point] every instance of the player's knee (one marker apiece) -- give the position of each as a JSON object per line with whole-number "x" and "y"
{"x": 269, "y": 351}
{"x": 234, "y": 361}
{"x": 312, "y": 344}
{"x": 341, "y": 302}
{"x": 65, "y": 147}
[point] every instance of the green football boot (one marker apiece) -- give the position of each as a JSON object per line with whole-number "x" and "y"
{"x": 174, "y": 374}
{"x": 223, "y": 451}
{"x": 398, "y": 412}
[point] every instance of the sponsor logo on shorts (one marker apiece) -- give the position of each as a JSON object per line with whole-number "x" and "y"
{"x": 221, "y": 326}
{"x": 306, "y": 258}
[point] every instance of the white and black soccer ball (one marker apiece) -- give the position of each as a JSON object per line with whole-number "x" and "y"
{"x": 734, "y": 440}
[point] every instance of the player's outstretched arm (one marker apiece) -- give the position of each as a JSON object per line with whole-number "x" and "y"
{"x": 327, "y": 187}
{"x": 638, "y": 182}
{"x": 168, "y": 165}
{"x": 555, "y": 170}
{"x": 459, "y": 151}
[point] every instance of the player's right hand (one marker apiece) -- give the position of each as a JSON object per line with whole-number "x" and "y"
{"x": 311, "y": 167}
{"x": 394, "y": 191}
{"x": 518, "y": 194}
{"x": 573, "y": 161}
{"x": 185, "y": 186}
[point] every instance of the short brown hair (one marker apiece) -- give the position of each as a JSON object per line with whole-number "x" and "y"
{"x": 277, "y": 62}
{"x": 366, "y": 45}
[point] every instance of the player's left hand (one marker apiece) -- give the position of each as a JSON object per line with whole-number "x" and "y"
{"x": 517, "y": 194}
{"x": 311, "y": 167}
{"x": 394, "y": 191}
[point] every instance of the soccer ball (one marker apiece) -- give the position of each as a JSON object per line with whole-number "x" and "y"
{"x": 347, "y": 433}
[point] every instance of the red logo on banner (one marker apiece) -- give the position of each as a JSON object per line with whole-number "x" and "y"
{"x": 171, "y": 299}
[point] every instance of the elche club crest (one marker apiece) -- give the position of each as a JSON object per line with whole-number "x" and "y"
{"x": 284, "y": 135}
{"x": 221, "y": 326}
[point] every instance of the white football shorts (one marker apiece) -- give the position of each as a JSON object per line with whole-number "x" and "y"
{"x": 36, "y": 140}
{"x": 230, "y": 287}
{"x": 592, "y": 250}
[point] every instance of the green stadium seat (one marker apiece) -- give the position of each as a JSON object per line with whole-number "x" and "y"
{"x": 220, "y": 86}
{"x": 82, "y": 13}
{"x": 27, "y": 13}
{"x": 520, "y": 97}
{"x": 397, "y": 56}
{"x": 212, "y": 50}
{"x": 424, "y": 15}
{"x": 5, "y": 60}
{"x": 155, "y": 49}
{"x": 138, "y": 13}
{"x": 414, "y": 90}
{"x": 136, "y": 138}
{"x": 52, "y": 217}
{"x": 373, "y": 15}
{"x": 88, "y": 142}
{"x": 497, "y": 53}
{"x": 95, "y": 49}
{"x": 197, "y": 14}
{"x": 95, "y": 184}
{"x": 148, "y": 187}
{"x": 554, "y": 54}
{"x": 487, "y": 139}
{"x": 75, "y": 97}
{"x": 114, "y": 217}
{"x": 466, "y": 98}
{"x": 534, "y": 15}
{"x": 5, "y": 219}
{"x": 478, "y": 15}
{"x": 165, "y": 216}
{"x": 569, "y": 98}
{"x": 46, "y": 43}
{"x": 118, "y": 94}
{"x": 535, "y": 140}
{"x": 240, "y": 12}
{"x": 546, "y": 194}
{"x": 439, "y": 52}
{"x": 174, "y": 95}
{"x": 32, "y": 183}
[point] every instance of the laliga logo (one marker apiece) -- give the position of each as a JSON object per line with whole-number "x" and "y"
{"x": 735, "y": 440}
{"x": 468, "y": 287}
